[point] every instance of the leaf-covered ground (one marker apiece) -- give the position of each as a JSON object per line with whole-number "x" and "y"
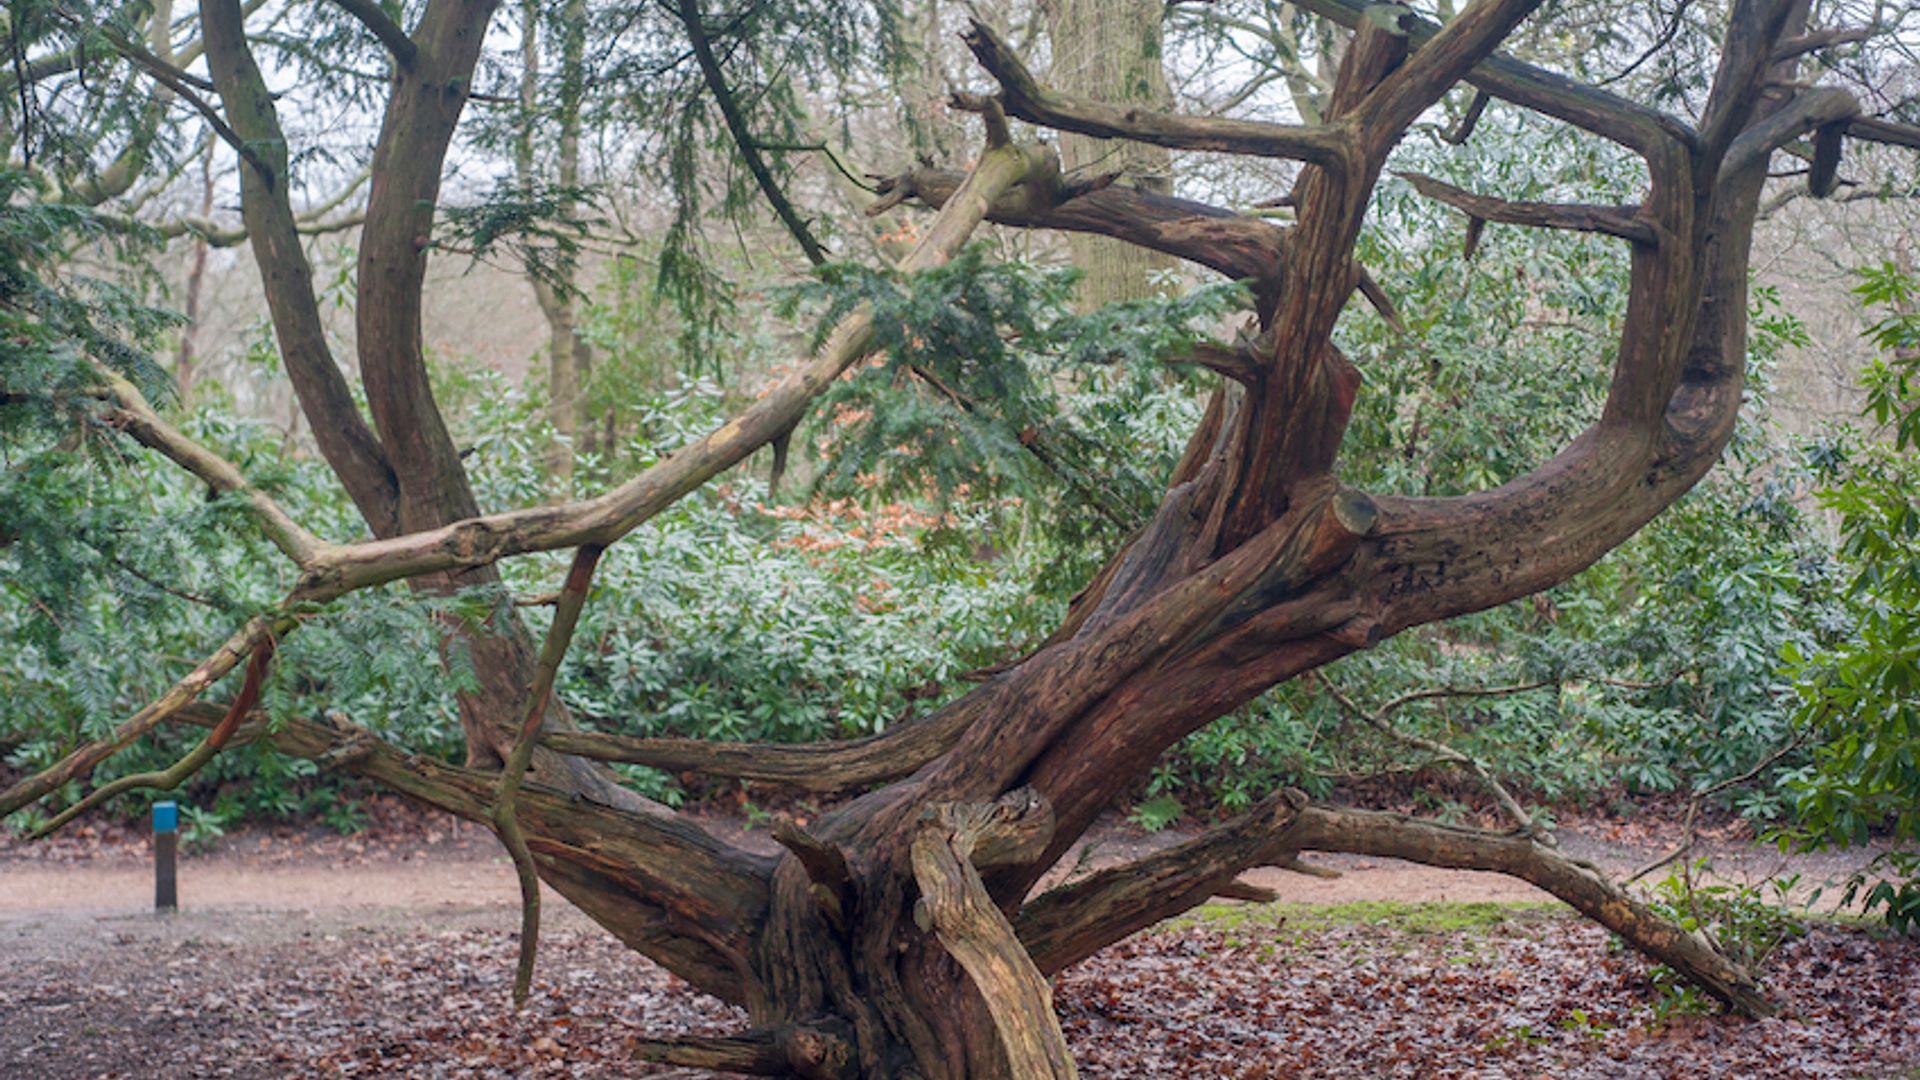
{"x": 1243, "y": 995}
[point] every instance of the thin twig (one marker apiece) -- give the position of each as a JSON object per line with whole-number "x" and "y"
{"x": 1688, "y": 836}
{"x": 1378, "y": 720}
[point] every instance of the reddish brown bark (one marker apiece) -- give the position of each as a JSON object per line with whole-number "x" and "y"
{"x": 864, "y": 950}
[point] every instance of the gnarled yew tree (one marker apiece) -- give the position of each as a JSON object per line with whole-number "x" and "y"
{"x": 897, "y": 936}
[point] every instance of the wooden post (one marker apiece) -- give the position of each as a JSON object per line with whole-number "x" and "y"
{"x": 166, "y": 843}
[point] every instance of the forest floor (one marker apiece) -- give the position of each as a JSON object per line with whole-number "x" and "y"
{"x": 390, "y": 953}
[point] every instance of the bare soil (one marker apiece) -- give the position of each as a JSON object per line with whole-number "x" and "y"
{"x": 299, "y": 954}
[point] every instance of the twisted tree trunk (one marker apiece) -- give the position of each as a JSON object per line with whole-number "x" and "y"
{"x": 896, "y": 937}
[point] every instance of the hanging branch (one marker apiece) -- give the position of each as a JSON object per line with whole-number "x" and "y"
{"x": 742, "y": 137}
{"x": 172, "y": 777}
{"x": 506, "y": 821}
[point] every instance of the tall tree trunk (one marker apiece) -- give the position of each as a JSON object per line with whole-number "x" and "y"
{"x": 185, "y": 369}
{"x": 1111, "y": 50}
{"x": 569, "y": 357}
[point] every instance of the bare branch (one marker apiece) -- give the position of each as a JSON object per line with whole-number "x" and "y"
{"x": 1575, "y": 217}
{"x": 1695, "y": 798}
{"x": 1238, "y": 246}
{"x": 1882, "y": 131}
{"x": 1608, "y": 115}
{"x": 331, "y": 571}
{"x": 506, "y": 820}
{"x": 81, "y": 762}
{"x": 171, "y": 777}
{"x": 131, "y": 413}
{"x": 1023, "y": 96}
{"x": 346, "y": 439}
{"x": 1379, "y": 722}
{"x": 1377, "y": 296}
{"x": 1819, "y": 39}
{"x": 1364, "y": 832}
{"x": 389, "y": 32}
{"x": 1074, "y": 921}
{"x": 821, "y": 767}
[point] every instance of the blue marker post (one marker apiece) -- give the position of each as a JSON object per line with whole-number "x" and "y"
{"x": 166, "y": 842}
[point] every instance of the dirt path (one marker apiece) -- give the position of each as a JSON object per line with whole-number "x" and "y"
{"x": 300, "y": 955}
{"x": 440, "y": 872}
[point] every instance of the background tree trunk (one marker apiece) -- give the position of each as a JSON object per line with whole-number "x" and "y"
{"x": 569, "y": 357}
{"x": 1111, "y": 50}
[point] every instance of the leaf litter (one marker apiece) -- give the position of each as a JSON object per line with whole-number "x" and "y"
{"x": 1539, "y": 996}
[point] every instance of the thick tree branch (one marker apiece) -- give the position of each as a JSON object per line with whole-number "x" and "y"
{"x": 1364, "y": 832}
{"x": 1611, "y": 220}
{"x": 338, "y": 427}
{"x": 1676, "y": 389}
{"x": 1238, "y": 246}
{"x": 1819, "y": 108}
{"x": 1023, "y": 96}
{"x": 375, "y": 19}
{"x": 820, "y": 767}
{"x": 1793, "y": 47}
{"x": 1608, "y": 115}
{"x": 1882, "y": 131}
{"x": 1753, "y": 27}
{"x": 1074, "y": 921}
{"x": 1067, "y": 924}
{"x": 817, "y": 1051}
{"x": 1440, "y": 62}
